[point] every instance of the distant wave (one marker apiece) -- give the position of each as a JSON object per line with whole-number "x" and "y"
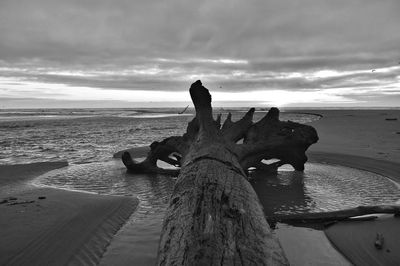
{"x": 158, "y": 115}
{"x": 30, "y": 114}
{"x": 96, "y": 136}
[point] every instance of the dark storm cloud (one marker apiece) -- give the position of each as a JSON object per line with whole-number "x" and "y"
{"x": 233, "y": 45}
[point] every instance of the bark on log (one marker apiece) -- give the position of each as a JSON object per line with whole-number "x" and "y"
{"x": 214, "y": 216}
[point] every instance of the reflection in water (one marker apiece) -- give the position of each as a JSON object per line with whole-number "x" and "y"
{"x": 320, "y": 188}
{"x": 282, "y": 192}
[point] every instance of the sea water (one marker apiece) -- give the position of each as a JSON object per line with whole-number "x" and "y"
{"x": 93, "y": 135}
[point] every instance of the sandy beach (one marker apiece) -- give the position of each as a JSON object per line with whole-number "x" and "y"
{"x": 373, "y": 134}
{"x": 72, "y": 227}
{"x": 367, "y": 140}
{"x": 47, "y": 226}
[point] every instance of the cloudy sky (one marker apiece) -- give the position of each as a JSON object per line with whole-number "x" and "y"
{"x": 129, "y": 53}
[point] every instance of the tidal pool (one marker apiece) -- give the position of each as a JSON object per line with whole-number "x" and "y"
{"x": 320, "y": 187}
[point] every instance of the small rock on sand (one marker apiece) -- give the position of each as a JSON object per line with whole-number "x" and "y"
{"x": 379, "y": 241}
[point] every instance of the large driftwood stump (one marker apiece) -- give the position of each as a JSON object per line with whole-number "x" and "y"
{"x": 214, "y": 216}
{"x": 266, "y": 139}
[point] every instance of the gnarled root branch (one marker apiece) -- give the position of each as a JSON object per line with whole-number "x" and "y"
{"x": 266, "y": 139}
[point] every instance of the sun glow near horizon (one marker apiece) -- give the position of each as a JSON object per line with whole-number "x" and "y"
{"x": 16, "y": 89}
{"x": 141, "y": 84}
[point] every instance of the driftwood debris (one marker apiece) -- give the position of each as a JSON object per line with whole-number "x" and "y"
{"x": 266, "y": 139}
{"x": 214, "y": 216}
{"x": 184, "y": 110}
{"x": 321, "y": 217}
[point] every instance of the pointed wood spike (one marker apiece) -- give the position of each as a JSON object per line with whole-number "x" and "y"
{"x": 234, "y": 131}
{"x": 273, "y": 113}
{"x": 250, "y": 113}
{"x": 202, "y": 101}
{"x": 229, "y": 117}
{"x": 228, "y": 122}
{"x": 201, "y": 97}
{"x": 218, "y": 121}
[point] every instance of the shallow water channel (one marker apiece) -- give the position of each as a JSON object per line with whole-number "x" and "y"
{"x": 321, "y": 187}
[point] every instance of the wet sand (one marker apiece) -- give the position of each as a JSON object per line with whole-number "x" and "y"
{"x": 356, "y": 240}
{"x": 47, "y": 226}
{"x": 372, "y": 134}
{"x": 367, "y": 140}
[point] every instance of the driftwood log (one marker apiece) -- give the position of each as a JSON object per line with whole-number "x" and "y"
{"x": 266, "y": 139}
{"x": 332, "y": 216}
{"x": 214, "y": 216}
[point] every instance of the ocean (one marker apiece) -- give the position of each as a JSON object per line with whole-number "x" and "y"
{"x": 93, "y": 135}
